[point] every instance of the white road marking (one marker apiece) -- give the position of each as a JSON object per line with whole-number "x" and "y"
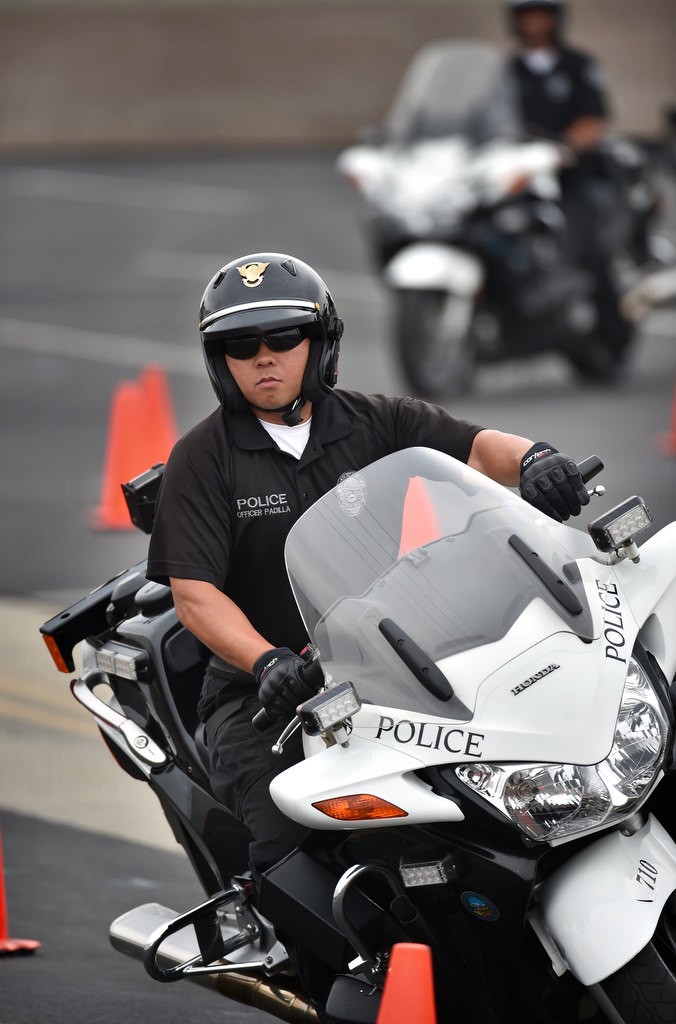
{"x": 131, "y": 352}
{"x": 95, "y": 346}
{"x": 176, "y": 265}
{"x": 144, "y": 193}
{"x": 200, "y": 267}
{"x": 17, "y": 711}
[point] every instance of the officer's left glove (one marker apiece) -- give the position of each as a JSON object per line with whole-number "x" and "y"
{"x": 281, "y": 683}
{"x": 552, "y": 483}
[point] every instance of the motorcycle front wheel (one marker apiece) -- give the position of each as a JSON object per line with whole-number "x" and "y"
{"x": 433, "y": 342}
{"x": 644, "y": 990}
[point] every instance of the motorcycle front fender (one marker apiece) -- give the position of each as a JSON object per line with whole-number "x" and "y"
{"x": 602, "y": 907}
{"x": 430, "y": 266}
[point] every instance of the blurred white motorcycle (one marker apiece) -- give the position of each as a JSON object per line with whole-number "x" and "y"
{"x": 465, "y": 222}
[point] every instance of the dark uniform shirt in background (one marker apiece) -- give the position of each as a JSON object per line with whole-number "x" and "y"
{"x": 572, "y": 88}
{"x": 229, "y": 495}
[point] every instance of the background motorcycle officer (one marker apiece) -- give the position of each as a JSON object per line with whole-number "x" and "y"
{"x": 562, "y": 97}
{"x": 561, "y": 90}
{"x": 235, "y": 484}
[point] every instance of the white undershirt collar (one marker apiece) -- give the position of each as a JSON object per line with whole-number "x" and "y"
{"x": 541, "y": 61}
{"x": 289, "y": 439}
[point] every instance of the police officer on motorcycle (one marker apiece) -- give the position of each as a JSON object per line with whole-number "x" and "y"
{"x": 562, "y": 97}
{"x": 561, "y": 90}
{"x": 233, "y": 486}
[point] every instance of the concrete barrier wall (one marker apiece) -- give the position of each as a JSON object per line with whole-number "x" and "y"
{"x": 272, "y": 73}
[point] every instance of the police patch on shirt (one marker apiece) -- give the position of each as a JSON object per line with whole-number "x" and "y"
{"x": 351, "y": 491}
{"x": 259, "y": 505}
{"x": 594, "y": 76}
{"x": 559, "y": 87}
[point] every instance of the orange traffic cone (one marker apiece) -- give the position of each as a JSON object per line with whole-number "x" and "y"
{"x": 7, "y": 945}
{"x": 667, "y": 442}
{"x": 419, "y": 524}
{"x": 409, "y": 986}
{"x": 142, "y": 432}
{"x": 162, "y": 433}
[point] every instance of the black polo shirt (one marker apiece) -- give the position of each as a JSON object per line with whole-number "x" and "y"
{"x": 229, "y": 495}
{"x": 551, "y": 102}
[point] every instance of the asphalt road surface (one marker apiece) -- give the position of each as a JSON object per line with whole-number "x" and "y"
{"x": 64, "y": 887}
{"x": 103, "y": 267}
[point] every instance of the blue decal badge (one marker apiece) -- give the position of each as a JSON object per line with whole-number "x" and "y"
{"x": 479, "y": 906}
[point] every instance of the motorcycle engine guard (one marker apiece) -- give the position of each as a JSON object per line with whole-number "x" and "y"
{"x": 299, "y": 892}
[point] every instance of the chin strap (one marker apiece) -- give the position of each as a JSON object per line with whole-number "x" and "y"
{"x": 291, "y": 413}
{"x": 292, "y": 416}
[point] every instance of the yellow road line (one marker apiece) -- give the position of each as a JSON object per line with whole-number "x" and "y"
{"x": 18, "y": 711}
{"x": 56, "y": 694}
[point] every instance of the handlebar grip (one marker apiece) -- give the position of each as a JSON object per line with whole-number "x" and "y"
{"x": 262, "y": 721}
{"x": 589, "y": 468}
{"x": 310, "y": 671}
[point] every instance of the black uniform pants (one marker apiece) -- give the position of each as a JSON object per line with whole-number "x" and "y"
{"x": 591, "y": 248}
{"x": 242, "y": 766}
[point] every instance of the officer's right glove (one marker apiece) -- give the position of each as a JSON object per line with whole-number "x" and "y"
{"x": 281, "y": 685}
{"x": 552, "y": 483}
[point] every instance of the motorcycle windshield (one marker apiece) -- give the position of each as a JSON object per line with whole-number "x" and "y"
{"x": 417, "y": 558}
{"x": 456, "y": 88}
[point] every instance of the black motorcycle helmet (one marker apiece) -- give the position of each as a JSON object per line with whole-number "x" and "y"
{"x": 556, "y": 7}
{"x": 261, "y": 293}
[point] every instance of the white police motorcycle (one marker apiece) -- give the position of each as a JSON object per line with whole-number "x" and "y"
{"x": 464, "y": 220}
{"x": 488, "y": 767}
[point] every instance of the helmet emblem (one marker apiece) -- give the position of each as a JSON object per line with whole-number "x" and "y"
{"x": 252, "y": 273}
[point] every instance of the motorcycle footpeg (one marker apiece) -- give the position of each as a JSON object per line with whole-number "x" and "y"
{"x": 211, "y": 949}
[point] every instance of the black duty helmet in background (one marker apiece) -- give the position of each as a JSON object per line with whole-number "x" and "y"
{"x": 556, "y": 7}
{"x": 265, "y": 292}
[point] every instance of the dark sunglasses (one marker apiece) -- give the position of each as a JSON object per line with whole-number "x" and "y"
{"x": 247, "y": 345}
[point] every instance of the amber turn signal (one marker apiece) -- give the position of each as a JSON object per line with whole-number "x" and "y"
{"x": 359, "y": 807}
{"x": 57, "y": 657}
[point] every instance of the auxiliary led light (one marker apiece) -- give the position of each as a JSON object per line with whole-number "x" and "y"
{"x": 120, "y": 663}
{"x": 329, "y": 709}
{"x": 621, "y": 524}
{"x": 429, "y": 873}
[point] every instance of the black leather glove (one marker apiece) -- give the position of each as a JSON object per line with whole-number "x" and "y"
{"x": 552, "y": 483}
{"x": 281, "y": 685}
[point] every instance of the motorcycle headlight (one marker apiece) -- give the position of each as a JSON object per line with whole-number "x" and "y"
{"x": 639, "y": 736}
{"x": 555, "y": 801}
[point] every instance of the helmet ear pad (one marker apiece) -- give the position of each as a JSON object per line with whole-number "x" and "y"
{"x": 321, "y": 371}
{"x": 233, "y": 399}
{"x": 222, "y": 381}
